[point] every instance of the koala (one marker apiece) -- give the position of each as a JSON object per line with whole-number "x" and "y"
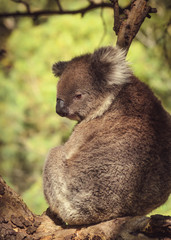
{"x": 117, "y": 161}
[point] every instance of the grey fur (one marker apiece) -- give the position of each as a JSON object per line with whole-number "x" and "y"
{"x": 58, "y": 68}
{"x": 118, "y": 69}
{"x": 117, "y": 161}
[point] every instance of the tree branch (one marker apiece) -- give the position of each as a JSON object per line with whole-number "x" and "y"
{"x": 116, "y": 16}
{"x": 18, "y": 222}
{"x": 36, "y": 14}
{"x": 126, "y": 28}
{"x": 127, "y": 21}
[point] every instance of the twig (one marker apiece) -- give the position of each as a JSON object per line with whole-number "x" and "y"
{"x": 59, "y": 5}
{"x": 56, "y": 12}
{"x": 90, "y": 1}
{"x": 116, "y": 17}
{"x": 24, "y": 3}
{"x": 104, "y": 27}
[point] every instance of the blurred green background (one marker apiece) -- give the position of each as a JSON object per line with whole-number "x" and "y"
{"x": 29, "y": 126}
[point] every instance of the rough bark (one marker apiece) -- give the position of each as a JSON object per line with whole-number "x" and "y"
{"x": 127, "y": 26}
{"x": 18, "y": 222}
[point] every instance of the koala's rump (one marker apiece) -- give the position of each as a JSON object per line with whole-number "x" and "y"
{"x": 112, "y": 171}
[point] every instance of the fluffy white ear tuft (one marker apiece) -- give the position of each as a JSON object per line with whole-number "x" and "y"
{"x": 114, "y": 59}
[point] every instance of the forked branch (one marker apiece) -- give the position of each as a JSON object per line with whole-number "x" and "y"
{"x": 126, "y": 27}
{"x": 127, "y": 21}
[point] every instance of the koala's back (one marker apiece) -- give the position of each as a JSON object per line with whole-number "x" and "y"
{"x": 118, "y": 164}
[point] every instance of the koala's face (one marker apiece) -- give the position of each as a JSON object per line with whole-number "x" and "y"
{"x": 75, "y": 93}
{"x": 86, "y": 80}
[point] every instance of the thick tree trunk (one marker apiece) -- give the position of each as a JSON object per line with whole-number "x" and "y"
{"x": 18, "y": 222}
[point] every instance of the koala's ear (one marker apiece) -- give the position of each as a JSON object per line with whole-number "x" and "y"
{"x": 58, "y": 68}
{"x": 111, "y": 64}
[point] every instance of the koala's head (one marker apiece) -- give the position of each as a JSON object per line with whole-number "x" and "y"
{"x": 87, "y": 83}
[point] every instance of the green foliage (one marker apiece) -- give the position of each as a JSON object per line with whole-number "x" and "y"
{"x": 164, "y": 209}
{"x": 29, "y": 124}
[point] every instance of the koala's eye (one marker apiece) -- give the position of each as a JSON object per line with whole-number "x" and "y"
{"x": 78, "y": 96}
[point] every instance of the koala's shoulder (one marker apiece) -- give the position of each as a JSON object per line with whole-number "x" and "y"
{"x": 54, "y": 154}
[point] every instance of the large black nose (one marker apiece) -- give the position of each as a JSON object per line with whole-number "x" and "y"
{"x": 60, "y": 108}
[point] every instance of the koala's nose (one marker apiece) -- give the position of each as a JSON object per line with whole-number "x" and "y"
{"x": 60, "y": 107}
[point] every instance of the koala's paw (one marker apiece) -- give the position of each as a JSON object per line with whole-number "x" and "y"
{"x": 133, "y": 229}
